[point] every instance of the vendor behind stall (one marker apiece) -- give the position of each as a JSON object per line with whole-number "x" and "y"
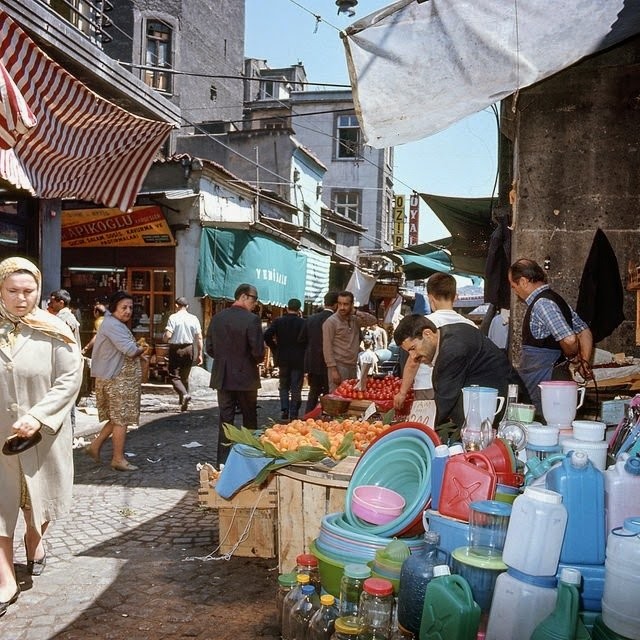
{"x": 461, "y": 356}
{"x": 555, "y": 340}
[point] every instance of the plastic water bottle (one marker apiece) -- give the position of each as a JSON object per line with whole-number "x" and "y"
{"x": 303, "y": 611}
{"x": 286, "y": 583}
{"x": 449, "y": 608}
{"x": 581, "y": 486}
{"x": 322, "y": 623}
{"x": 441, "y": 455}
{"x": 416, "y": 572}
{"x": 622, "y": 491}
{"x": 562, "y": 623}
{"x": 290, "y": 600}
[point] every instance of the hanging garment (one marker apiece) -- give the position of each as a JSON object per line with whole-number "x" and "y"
{"x": 601, "y": 294}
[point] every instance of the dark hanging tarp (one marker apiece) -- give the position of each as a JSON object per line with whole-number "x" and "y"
{"x": 468, "y": 220}
{"x": 601, "y": 294}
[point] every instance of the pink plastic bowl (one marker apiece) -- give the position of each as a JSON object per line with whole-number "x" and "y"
{"x": 376, "y": 505}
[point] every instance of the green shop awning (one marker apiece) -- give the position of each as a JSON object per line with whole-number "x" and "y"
{"x": 229, "y": 257}
{"x": 417, "y": 266}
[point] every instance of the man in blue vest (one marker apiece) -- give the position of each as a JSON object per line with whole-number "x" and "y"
{"x": 555, "y": 339}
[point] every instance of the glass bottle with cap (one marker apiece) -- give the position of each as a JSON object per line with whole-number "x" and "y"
{"x": 417, "y": 571}
{"x": 376, "y": 609}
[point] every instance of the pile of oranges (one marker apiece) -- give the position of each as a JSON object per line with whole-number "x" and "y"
{"x": 299, "y": 433}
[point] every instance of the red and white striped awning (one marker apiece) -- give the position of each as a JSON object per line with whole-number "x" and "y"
{"x": 81, "y": 146}
{"x": 15, "y": 116}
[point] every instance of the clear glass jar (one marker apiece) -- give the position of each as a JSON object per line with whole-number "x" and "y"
{"x": 346, "y": 628}
{"x": 351, "y": 584}
{"x": 376, "y": 609}
{"x": 308, "y": 563}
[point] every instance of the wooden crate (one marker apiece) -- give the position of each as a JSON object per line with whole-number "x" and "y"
{"x": 247, "y": 522}
{"x": 263, "y": 497}
{"x": 252, "y": 530}
{"x": 303, "y": 500}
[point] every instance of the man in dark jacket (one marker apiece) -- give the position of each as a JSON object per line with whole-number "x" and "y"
{"x": 314, "y": 363}
{"x": 282, "y": 337}
{"x": 234, "y": 341}
{"x": 461, "y": 356}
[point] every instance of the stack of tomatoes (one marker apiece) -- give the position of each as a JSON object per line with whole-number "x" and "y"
{"x": 378, "y": 390}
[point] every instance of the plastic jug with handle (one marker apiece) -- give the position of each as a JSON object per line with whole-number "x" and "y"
{"x": 449, "y": 608}
{"x": 560, "y": 402}
{"x": 489, "y": 402}
{"x": 581, "y": 486}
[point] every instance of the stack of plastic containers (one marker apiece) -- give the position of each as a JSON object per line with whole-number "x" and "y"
{"x": 588, "y": 436}
{"x": 480, "y": 563}
{"x": 542, "y": 441}
{"x": 525, "y": 595}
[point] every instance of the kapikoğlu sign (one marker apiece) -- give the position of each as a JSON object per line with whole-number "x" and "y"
{"x": 141, "y": 227}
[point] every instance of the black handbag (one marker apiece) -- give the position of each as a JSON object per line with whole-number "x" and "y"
{"x": 16, "y": 444}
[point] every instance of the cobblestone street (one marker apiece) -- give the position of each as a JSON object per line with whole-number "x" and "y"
{"x": 118, "y": 564}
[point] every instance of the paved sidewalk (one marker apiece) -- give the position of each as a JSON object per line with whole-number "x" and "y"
{"x": 117, "y": 565}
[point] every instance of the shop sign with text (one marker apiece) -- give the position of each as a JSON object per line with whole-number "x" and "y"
{"x": 398, "y": 222}
{"x": 414, "y": 218}
{"x": 140, "y": 227}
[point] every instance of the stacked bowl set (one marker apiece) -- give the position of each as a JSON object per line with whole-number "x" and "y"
{"x": 573, "y": 529}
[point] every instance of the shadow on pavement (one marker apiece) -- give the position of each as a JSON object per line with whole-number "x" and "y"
{"x": 117, "y": 564}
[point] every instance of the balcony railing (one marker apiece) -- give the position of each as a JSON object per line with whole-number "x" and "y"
{"x": 87, "y": 16}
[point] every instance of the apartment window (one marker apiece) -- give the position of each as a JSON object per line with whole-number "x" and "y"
{"x": 347, "y": 137}
{"x": 268, "y": 89}
{"x": 159, "y": 36}
{"x": 306, "y": 217}
{"x": 274, "y": 124}
{"x": 347, "y": 203}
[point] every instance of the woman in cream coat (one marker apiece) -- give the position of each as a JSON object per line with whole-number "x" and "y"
{"x": 40, "y": 375}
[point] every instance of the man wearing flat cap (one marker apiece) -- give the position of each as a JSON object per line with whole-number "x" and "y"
{"x": 184, "y": 335}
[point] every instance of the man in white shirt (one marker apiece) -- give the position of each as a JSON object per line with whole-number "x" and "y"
{"x": 441, "y": 291}
{"x": 184, "y": 335}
